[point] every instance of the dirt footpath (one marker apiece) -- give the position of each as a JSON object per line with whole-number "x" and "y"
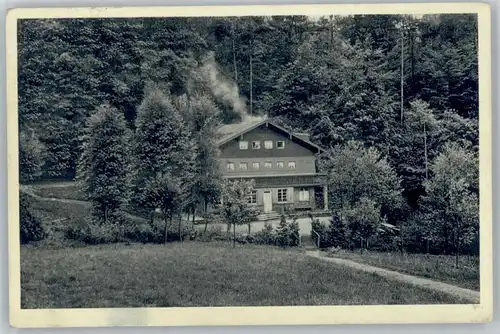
{"x": 470, "y": 295}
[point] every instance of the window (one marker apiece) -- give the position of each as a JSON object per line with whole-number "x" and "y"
{"x": 282, "y": 195}
{"x": 268, "y": 164}
{"x": 243, "y": 165}
{"x": 304, "y": 195}
{"x": 230, "y": 166}
{"x": 243, "y": 145}
{"x": 291, "y": 164}
{"x": 268, "y": 144}
{"x": 256, "y": 165}
{"x": 256, "y": 145}
{"x": 280, "y": 144}
{"x": 280, "y": 164}
{"x": 252, "y": 198}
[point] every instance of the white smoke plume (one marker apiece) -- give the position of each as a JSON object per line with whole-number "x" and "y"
{"x": 226, "y": 89}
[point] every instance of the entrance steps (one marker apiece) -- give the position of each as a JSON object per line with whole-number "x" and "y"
{"x": 307, "y": 243}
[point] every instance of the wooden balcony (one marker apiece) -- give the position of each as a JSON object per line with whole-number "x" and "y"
{"x": 287, "y": 180}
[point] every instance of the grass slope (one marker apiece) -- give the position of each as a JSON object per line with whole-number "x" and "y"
{"x": 199, "y": 274}
{"x": 438, "y": 267}
{"x": 64, "y": 190}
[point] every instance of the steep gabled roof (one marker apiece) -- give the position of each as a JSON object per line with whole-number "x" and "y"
{"x": 229, "y": 132}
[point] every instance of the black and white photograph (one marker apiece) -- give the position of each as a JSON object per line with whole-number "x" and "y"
{"x": 249, "y": 160}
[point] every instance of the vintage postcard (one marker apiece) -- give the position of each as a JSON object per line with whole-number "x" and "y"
{"x": 249, "y": 165}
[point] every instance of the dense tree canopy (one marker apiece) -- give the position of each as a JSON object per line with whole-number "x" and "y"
{"x": 338, "y": 78}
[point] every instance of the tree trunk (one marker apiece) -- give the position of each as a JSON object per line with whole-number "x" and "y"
{"x": 234, "y": 61}
{"x": 425, "y": 152}
{"x": 234, "y": 235}
{"x": 402, "y": 70}
{"x": 457, "y": 249}
{"x": 180, "y": 227}
{"x": 402, "y": 239}
{"x": 165, "y": 232}
{"x": 330, "y": 26}
{"x": 105, "y": 215}
{"x": 152, "y": 217}
{"x": 249, "y": 228}
{"x": 412, "y": 55}
{"x": 251, "y": 74}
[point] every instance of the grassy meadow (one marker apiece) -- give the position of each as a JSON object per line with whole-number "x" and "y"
{"x": 61, "y": 273}
{"x": 64, "y": 190}
{"x": 199, "y": 274}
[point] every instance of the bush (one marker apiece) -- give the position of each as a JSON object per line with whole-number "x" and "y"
{"x": 125, "y": 230}
{"x": 336, "y": 233}
{"x": 321, "y": 229}
{"x": 293, "y": 229}
{"x": 332, "y": 235}
{"x": 95, "y": 233}
{"x": 363, "y": 221}
{"x": 31, "y": 228}
{"x": 143, "y": 233}
{"x": 266, "y": 236}
{"x": 287, "y": 233}
{"x": 384, "y": 242}
{"x": 212, "y": 232}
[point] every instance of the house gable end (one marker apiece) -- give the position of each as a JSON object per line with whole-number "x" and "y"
{"x": 238, "y": 132}
{"x": 267, "y": 132}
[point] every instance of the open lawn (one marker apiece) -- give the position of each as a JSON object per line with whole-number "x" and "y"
{"x": 438, "y": 267}
{"x": 64, "y": 190}
{"x": 199, "y": 274}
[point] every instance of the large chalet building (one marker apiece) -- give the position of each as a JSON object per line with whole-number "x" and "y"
{"x": 282, "y": 163}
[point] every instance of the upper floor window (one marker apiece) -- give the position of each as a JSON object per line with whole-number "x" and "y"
{"x": 243, "y": 145}
{"x": 268, "y": 164}
{"x": 291, "y": 164}
{"x": 268, "y": 144}
{"x": 282, "y": 195}
{"x": 256, "y": 165}
{"x": 280, "y": 144}
{"x": 304, "y": 195}
{"x": 280, "y": 164}
{"x": 256, "y": 145}
{"x": 243, "y": 165}
{"x": 230, "y": 166}
{"x": 252, "y": 198}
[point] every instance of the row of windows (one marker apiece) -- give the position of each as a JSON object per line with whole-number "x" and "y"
{"x": 268, "y": 144}
{"x": 256, "y": 165}
{"x": 282, "y": 195}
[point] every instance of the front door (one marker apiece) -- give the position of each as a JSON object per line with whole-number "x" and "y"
{"x": 268, "y": 201}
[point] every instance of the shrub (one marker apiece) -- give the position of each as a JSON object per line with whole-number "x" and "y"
{"x": 143, "y": 233}
{"x": 336, "y": 233}
{"x": 212, "y": 232}
{"x": 266, "y": 236}
{"x": 94, "y": 233}
{"x": 293, "y": 229}
{"x": 384, "y": 242}
{"x": 321, "y": 229}
{"x": 31, "y": 228}
{"x": 363, "y": 221}
{"x": 287, "y": 233}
